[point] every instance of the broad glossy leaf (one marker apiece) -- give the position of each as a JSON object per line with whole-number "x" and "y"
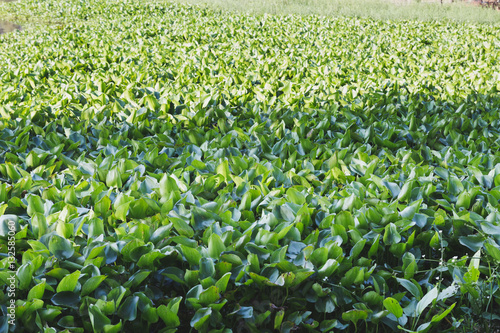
{"x": 215, "y": 246}
{"x": 355, "y": 315}
{"x": 393, "y": 306}
{"x": 200, "y": 317}
{"x": 128, "y": 309}
{"x": 427, "y": 300}
{"x": 37, "y": 291}
{"x": 92, "y": 283}
{"x": 60, "y": 247}
{"x": 69, "y": 282}
{"x": 35, "y": 205}
{"x": 391, "y": 234}
{"x": 66, "y": 299}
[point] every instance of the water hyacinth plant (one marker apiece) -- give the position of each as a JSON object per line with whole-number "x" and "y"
{"x": 169, "y": 167}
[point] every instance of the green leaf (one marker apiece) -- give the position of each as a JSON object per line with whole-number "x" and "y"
{"x": 113, "y": 328}
{"x": 435, "y": 241}
{"x": 278, "y": 319}
{"x": 245, "y": 312}
{"x": 182, "y": 227}
{"x": 137, "y": 278}
{"x": 37, "y": 291}
{"x": 411, "y": 287}
{"x": 393, "y": 307}
{"x": 150, "y": 314}
{"x": 39, "y": 225}
{"x": 202, "y": 219}
{"x": 12, "y": 172}
{"x": 410, "y": 211}
{"x": 473, "y": 242}
{"x": 221, "y": 284}
{"x": 97, "y": 319}
{"x": 438, "y": 317}
{"x": 441, "y": 172}
{"x": 121, "y": 211}
{"x": 493, "y": 251}
{"x": 391, "y": 234}
{"x": 130, "y": 247}
{"x": 35, "y": 205}
{"x": 193, "y": 256}
{"x": 66, "y": 298}
{"x": 173, "y": 305}
{"x": 301, "y": 276}
{"x": 175, "y": 274}
{"x": 128, "y": 310}
{"x": 210, "y": 295}
{"x": 405, "y": 192}
{"x": 328, "y": 268}
{"x": 102, "y": 207}
{"x": 91, "y": 284}
{"x": 345, "y": 219}
{"x": 372, "y": 298}
{"x": 319, "y": 256}
{"x": 139, "y": 208}
{"x": 448, "y": 292}
{"x": 353, "y": 276}
{"x": 490, "y": 228}
{"x": 215, "y": 246}
{"x": 223, "y": 169}
{"x": 60, "y": 247}
{"x": 113, "y": 178}
{"x": 392, "y": 187}
{"x": 69, "y": 282}
{"x": 475, "y": 260}
{"x": 152, "y": 103}
{"x": 463, "y": 200}
{"x": 355, "y": 315}
{"x": 295, "y": 196}
{"x": 160, "y": 233}
{"x": 207, "y": 268}
{"x": 374, "y": 248}
{"x": 96, "y": 228}
{"x": 170, "y": 318}
{"x": 328, "y": 325}
{"x": 149, "y": 259}
{"x": 357, "y": 248}
{"x": 168, "y": 185}
{"x": 200, "y": 317}
{"x": 426, "y": 300}
{"x": 25, "y": 275}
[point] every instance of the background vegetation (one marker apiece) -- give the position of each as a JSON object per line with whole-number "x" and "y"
{"x": 377, "y": 9}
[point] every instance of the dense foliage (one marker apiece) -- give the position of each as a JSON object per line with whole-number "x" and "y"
{"x": 169, "y": 167}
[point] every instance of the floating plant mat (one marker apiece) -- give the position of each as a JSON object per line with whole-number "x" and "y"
{"x": 167, "y": 166}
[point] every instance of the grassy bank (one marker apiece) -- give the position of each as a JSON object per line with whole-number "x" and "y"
{"x": 376, "y": 9}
